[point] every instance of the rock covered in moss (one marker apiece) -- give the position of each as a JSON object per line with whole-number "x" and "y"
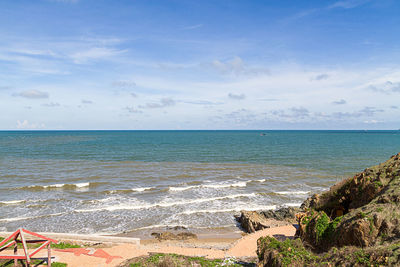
{"x": 367, "y": 205}
{"x": 355, "y": 223}
{"x": 171, "y": 236}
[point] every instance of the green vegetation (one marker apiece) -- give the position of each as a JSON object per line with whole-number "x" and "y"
{"x": 378, "y": 184}
{"x": 289, "y": 250}
{"x": 362, "y": 257}
{"x": 371, "y": 225}
{"x": 63, "y": 245}
{"x": 324, "y": 228}
{"x": 171, "y": 260}
{"x": 58, "y": 264}
{"x": 330, "y": 230}
{"x": 9, "y": 263}
{"x": 321, "y": 225}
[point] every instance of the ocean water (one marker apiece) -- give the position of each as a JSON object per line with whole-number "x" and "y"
{"x": 118, "y": 181}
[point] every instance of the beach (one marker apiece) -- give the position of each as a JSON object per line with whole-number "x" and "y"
{"x": 243, "y": 248}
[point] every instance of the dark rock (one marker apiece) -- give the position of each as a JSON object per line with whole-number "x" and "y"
{"x": 282, "y": 214}
{"x": 252, "y": 221}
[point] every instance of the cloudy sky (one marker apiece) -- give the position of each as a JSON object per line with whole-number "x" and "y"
{"x": 181, "y": 64}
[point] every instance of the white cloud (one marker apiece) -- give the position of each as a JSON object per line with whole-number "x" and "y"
{"x": 94, "y": 53}
{"x": 320, "y": 77}
{"x": 33, "y": 94}
{"x": 85, "y": 101}
{"x": 237, "y": 66}
{"x": 51, "y": 105}
{"x": 25, "y": 124}
{"x": 164, "y": 102}
{"x": 339, "y": 102}
{"x": 133, "y": 110}
{"x": 347, "y": 4}
{"x": 387, "y": 87}
{"x": 193, "y": 27}
{"x": 236, "y": 97}
{"x": 124, "y": 84}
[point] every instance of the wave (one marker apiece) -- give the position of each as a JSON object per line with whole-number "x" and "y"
{"x": 164, "y": 205}
{"x": 30, "y": 218}
{"x": 292, "y": 192}
{"x": 11, "y": 202}
{"x": 183, "y": 188}
{"x": 125, "y": 191}
{"x": 141, "y": 189}
{"x": 52, "y": 186}
{"x": 272, "y": 207}
{"x": 15, "y": 219}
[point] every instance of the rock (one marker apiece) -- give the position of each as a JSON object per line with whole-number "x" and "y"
{"x": 358, "y": 211}
{"x": 170, "y": 236}
{"x": 355, "y": 223}
{"x": 282, "y": 214}
{"x": 252, "y": 221}
{"x": 185, "y": 236}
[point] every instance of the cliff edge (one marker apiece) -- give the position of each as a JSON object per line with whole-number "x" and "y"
{"x": 356, "y": 222}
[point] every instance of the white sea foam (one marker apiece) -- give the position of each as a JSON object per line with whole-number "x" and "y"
{"x": 163, "y": 204}
{"x": 15, "y": 219}
{"x": 53, "y": 186}
{"x": 10, "y": 202}
{"x": 292, "y": 204}
{"x": 79, "y": 185}
{"x": 28, "y": 218}
{"x": 272, "y": 207}
{"x": 141, "y": 189}
{"x": 159, "y": 226}
{"x": 261, "y": 180}
{"x": 292, "y": 192}
{"x": 183, "y": 188}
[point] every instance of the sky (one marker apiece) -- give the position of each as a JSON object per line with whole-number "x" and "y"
{"x": 185, "y": 64}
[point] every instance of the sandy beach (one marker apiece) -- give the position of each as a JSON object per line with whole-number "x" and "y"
{"x": 112, "y": 251}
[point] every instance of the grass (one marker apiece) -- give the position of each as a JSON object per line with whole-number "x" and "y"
{"x": 290, "y": 251}
{"x": 10, "y": 263}
{"x": 63, "y": 245}
{"x": 172, "y": 260}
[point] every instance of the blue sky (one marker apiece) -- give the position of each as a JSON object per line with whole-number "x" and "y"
{"x": 180, "y": 64}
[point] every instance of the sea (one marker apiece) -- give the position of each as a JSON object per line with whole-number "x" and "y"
{"x": 112, "y": 182}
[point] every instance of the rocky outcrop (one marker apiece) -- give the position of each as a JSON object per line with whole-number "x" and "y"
{"x": 252, "y": 221}
{"x": 362, "y": 211}
{"x": 283, "y": 214}
{"x": 161, "y": 236}
{"x": 358, "y": 211}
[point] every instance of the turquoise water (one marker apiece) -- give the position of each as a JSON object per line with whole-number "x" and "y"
{"x": 114, "y": 181}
